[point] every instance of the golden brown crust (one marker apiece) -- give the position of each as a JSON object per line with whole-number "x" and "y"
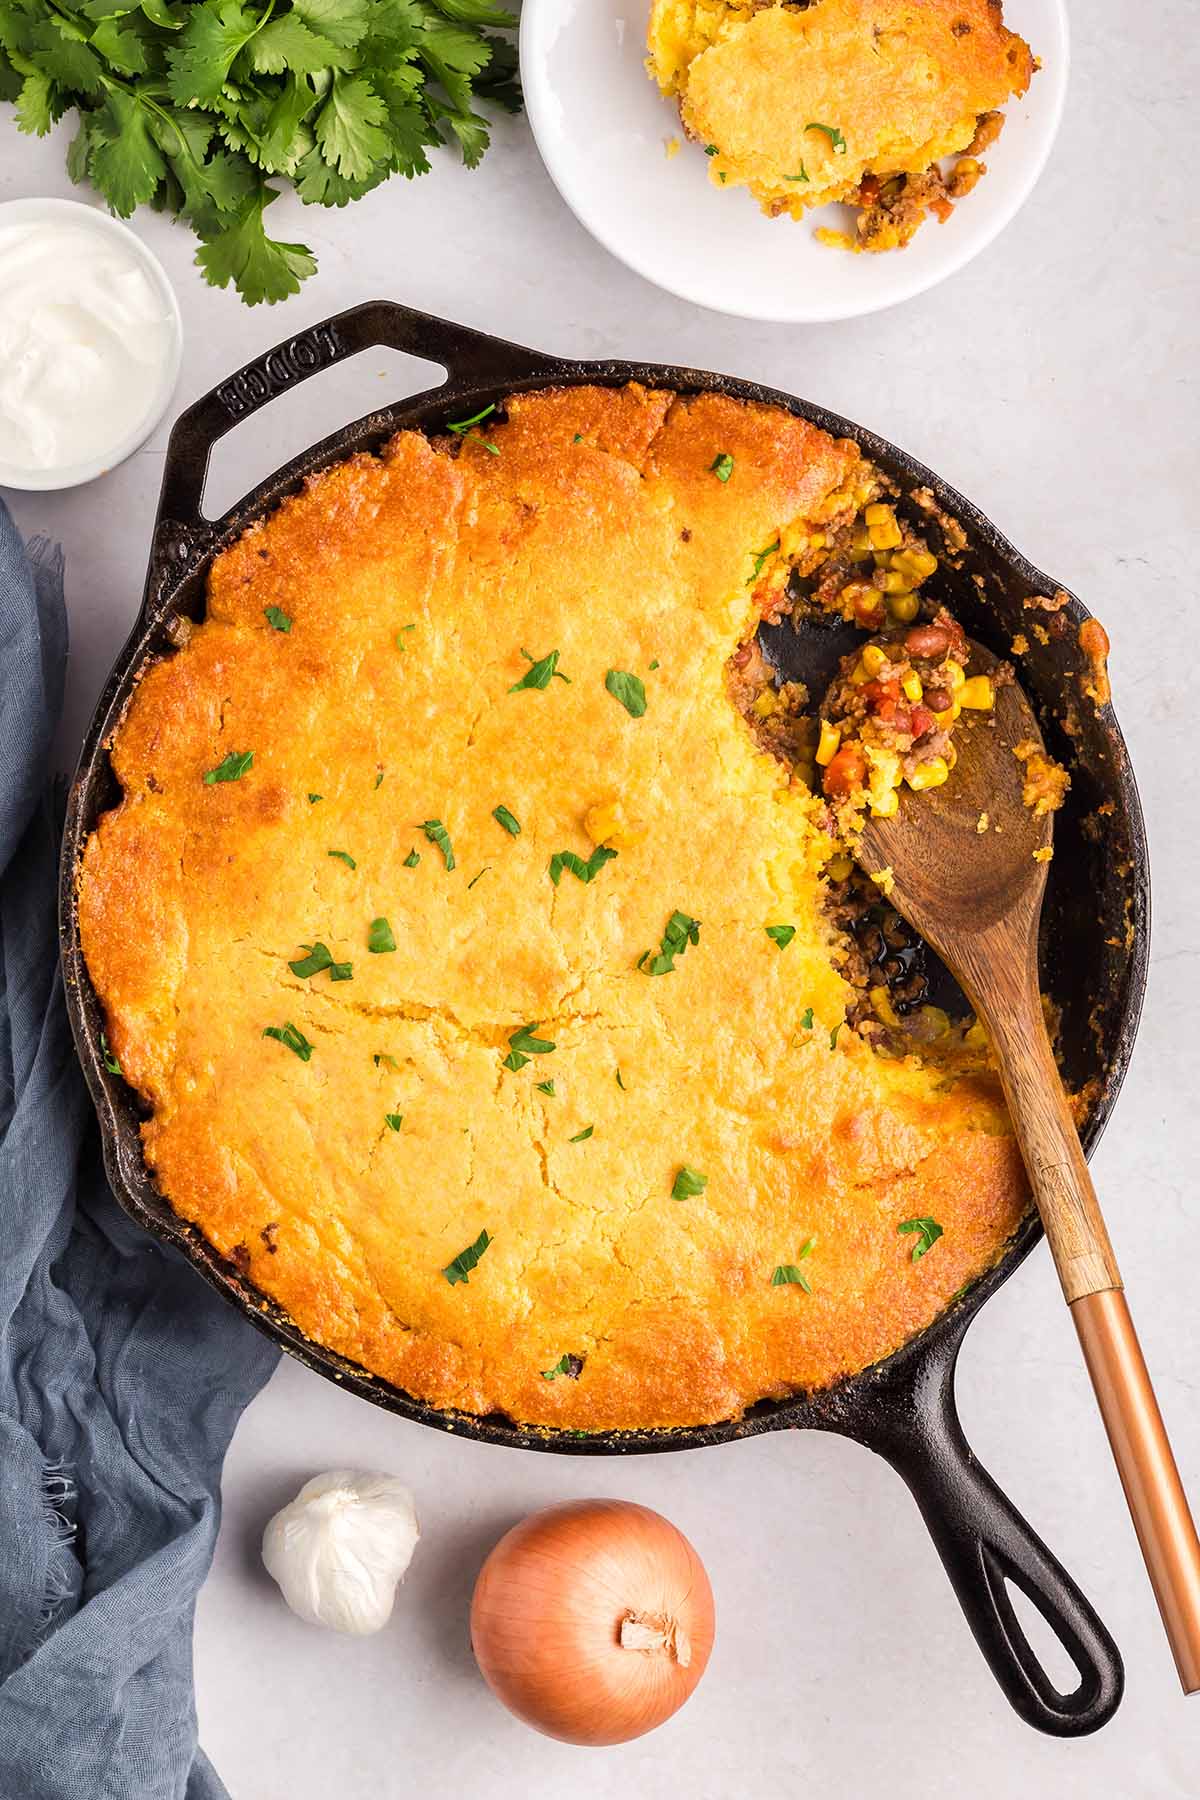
{"x": 599, "y": 530}
{"x": 894, "y": 84}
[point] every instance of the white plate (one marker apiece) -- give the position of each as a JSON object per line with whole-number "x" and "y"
{"x": 602, "y": 128}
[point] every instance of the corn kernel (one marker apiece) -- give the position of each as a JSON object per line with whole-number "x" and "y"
{"x": 838, "y": 867}
{"x": 944, "y": 719}
{"x": 860, "y": 544}
{"x": 881, "y": 1000}
{"x": 918, "y": 565}
{"x": 979, "y": 693}
{"x": 911, "y": 686}
{"x": 766, "y": 704}
{"x": 884, "y": 805}
{"x": 976, "y": 1036}
{"x": 937, "y": 1020}
{"x": 884, "y": 532}
{"x": 874, "y": 658}
{"x": 831, "y": 737}
{"x": 894, "y": 582}
{"x": 608, "y": 823}
{"x": 930, "y": 774}
{"x": 862, "y": 492}
{"x": 953, "y": 673}
{"x": 951, "y": 756}
{"x": 903, "y": 607}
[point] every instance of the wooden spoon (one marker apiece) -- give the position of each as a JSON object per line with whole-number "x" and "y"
{"x": 966, "y": 875}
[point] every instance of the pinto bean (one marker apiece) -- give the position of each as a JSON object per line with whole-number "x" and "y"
{"x": 938, "y": 699}
{"x": 927, "y": 640}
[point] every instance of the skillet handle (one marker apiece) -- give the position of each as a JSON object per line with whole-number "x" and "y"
{"x": 471, "y": 358}
{"x": 984, "y": 1542}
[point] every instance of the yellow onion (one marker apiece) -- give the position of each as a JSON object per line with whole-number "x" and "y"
{"x": 593, "y": 1621}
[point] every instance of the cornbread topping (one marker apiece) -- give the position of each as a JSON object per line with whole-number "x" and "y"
{"x": 477, "y": 936}
{"x": 857, "y": 101}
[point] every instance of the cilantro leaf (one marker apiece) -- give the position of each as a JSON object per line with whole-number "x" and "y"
{"x": 761, "y": 557}
{"x": 585, "y": 871}
{"x": 277, "y": 618}
{"x": 570, "y": 1366}
{"x": 781, "y": 934}
{"x": 581, "y": 1136}
{"x": 466, "y": 1260}
{"x": 680, "y": 932}
{"x": 110, "y": 1061}
{"x": 437, "y": 834}
{"x": 545, "y": 1087}
{"x": 522, "y": 1044}
{"x": 261, "y": 268}
{"x": 630, "y": 690}
{"x": 292, "y": 1038}
{"x": 787, "y": 1274}
{"x": 348, "y": 128}
{"x": 503, "y": 817}
{"x": 287, "y": 45}
{"x": 343, "y": 856}
{"x": 688, "y": 1183}
{"x": 200, "y": 60}
{"x": 126, "y": 163}
{"x": 930, "y": 1232}
{"x": 343, "y": 22}
{"x": 722, "y": 466}
{"x": 806, "y": 1019}
{"x": 230, "y": 768}
{"x": 394, "y": 1120}
{"x": 380, "y": 938}
{"x": 318, "y": 959}
{"x": 837, "y": 142}
{"x": 541, "y": 672}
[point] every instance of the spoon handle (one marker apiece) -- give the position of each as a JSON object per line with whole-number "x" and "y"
{"x": 1092, "y": 1285}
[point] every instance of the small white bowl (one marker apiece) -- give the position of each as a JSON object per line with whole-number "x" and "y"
{"x": 602, "y": 128}
{"x": 80, "y": 217}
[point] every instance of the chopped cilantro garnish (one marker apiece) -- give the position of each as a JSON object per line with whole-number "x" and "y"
{"x": 578, "y": 438}
{"x": 585, "y": 871}
{"x": 379, "y": 937}
{"x": 394, "y": 1120}
{"x": 837, "y": 142}
{"x": 628, "y": 689}
{"x": 277, "y": 618}
{"x": 382, "y": 1060}
{"x": 833, "y": 1036}
{"x": 545, "y": 1087}
{"x": 292, "y": 1037}
{"x": 654, "y": 664}
{"x": 313, "y": 798}
{"x": 400, "y": 644}
{"x": 802, "y": 176}
{"x": 571, "y": 1366}
{"x": 437, "y": 834}
{"x": 412, "y": 859}
{"x": 110, "y": 1061}
{"x": 581, "y": 1135}
{"x": 620, "y": 1082}
{"x": 711, "y": 150}
{"x": 485, "y": 444}
{"x": 230, "y": 768}
{"x": 379, "y": 779}
{"x": 540, "y": 672}
{"x": 930, "y": 1232}
{"x": 461, "y": 425}
{"x": 680, "y": 932}
{"x": 787, "y": 1274}
{"x": 319, "y": 959}
{"x": 722, "y": 177}
{"x": 722, "y": 467}
{"x": 522, "y": 1044}
{"x": 343, "y": 856}
{"x": 465, "y": 1261}
{"x": 760, "y": 558}
{"x": 781, "y": 934}
{"x": 806, "y": 1019}
{"x": 503, "y": 817}
{"x": 478, "y": 877}
{"x": 688, "y": 1183}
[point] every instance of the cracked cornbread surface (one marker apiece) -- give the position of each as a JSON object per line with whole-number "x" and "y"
{"x": 807, "y": 104}
{"x": 419, "y": 588}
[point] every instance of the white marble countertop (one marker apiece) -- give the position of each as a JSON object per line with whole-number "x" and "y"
{"x": 1054, "y": 381}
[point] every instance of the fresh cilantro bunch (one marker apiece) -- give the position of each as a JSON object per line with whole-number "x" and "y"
{"x": 190, "y": 106}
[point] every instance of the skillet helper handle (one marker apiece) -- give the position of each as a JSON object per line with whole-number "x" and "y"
{"x": 469, "y": 358}
{"x": 984, "y": 1543}
{"x": 1091, "y": 1282}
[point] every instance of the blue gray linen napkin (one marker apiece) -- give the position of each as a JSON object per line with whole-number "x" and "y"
{"x": 121, "y": 1375}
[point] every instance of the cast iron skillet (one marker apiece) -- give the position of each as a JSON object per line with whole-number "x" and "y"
{"x": 1094, "y": 957}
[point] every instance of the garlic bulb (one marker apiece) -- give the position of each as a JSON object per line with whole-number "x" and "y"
{"x": 341, "y": 1546}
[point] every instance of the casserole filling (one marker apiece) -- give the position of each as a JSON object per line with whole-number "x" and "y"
{"x": 477, "y": 935}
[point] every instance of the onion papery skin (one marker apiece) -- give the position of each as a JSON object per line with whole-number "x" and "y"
{"x": 548, "y": 1609}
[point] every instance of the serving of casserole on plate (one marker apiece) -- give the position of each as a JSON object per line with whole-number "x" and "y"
{"x": 477, "y": 946}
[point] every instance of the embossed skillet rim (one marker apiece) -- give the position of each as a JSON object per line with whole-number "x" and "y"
{"x": 516, "y": 370}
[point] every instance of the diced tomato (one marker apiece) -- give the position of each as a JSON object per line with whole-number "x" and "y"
{"x": 922, "y": 719}
{"x": 845, "y": 772}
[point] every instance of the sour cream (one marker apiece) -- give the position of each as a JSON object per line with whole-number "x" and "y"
{"x": 89, "y": 343}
